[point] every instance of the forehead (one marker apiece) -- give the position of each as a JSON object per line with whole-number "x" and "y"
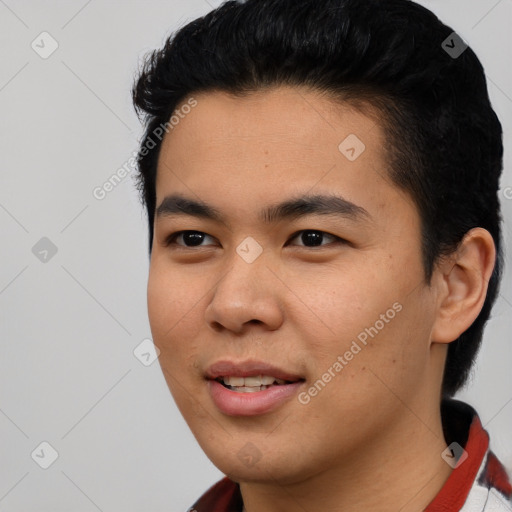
{"x": 244, "y": 151}
{"x": 290, "y": 117}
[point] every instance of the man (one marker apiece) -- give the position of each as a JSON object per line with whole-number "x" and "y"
{"x": 325, "y": 251}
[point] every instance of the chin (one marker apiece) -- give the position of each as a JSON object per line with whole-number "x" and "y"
{"x": 249, "y": 465}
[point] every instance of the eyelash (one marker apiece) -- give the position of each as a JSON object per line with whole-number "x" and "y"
{"x": 171, "y": 239}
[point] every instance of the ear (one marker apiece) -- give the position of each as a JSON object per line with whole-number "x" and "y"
{"x": 462, "y": 280}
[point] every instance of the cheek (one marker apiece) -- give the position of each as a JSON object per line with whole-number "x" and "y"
{"x": 375, "y": 324}
{"x": 171, "y": 299}
{"x": 174, "y": 315}
{"x": 343, "y": 302}
{"x": 174, "y": 327}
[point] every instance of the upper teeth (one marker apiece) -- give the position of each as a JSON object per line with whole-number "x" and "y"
{"x": 257, "y": 380}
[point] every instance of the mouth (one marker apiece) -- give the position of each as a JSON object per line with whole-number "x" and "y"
{"x": 252, "y": 384}
{"x": 250, "y": 388}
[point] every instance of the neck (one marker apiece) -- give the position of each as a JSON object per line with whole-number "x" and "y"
{"x": 401, "y": 470}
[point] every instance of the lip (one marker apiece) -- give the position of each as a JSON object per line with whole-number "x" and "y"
{"x": 248, "y": 368}
{"x": 234, "y": 403}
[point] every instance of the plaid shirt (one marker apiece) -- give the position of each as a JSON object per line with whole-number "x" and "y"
{"x": 479, "y": 483}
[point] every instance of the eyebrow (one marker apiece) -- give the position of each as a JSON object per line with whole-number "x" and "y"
{"x": 290, "y": 209}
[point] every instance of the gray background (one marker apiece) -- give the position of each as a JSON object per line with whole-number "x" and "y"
{"x": 69, "y": 325}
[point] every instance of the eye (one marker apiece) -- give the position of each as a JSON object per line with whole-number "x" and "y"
{"x": 193, "y": 237}
{"x": 309, "y": 238}
{"x": 315, "y": 237}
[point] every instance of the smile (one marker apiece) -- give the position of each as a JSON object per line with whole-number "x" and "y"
{"x": 249, "y": 388}
{"x": 250, "y": 384}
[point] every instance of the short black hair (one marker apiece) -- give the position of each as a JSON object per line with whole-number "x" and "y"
{"x": 444, "y": 139}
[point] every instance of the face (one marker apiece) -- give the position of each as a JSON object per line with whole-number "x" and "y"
{"x": 327, "y": 295}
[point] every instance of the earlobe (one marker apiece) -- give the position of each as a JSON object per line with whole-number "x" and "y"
{"x": 462, "y": 280}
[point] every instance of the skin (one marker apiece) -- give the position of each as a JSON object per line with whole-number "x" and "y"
{"x": 372, "y": 437}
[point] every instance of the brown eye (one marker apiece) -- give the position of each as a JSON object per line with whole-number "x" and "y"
{"x": 189, "y": 239}
{"x": 314, "y": 237}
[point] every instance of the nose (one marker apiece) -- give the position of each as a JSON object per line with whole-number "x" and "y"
{"x": 246, "y": 294}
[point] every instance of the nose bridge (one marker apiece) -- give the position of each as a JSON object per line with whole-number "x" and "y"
{"x": 245, "y": 292}
{"x": 246, "y": 268}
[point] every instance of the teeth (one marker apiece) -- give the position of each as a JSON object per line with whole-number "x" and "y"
{"x": 234, "y": 381}
{"x": 251, "y": 382}
{"x": 254, "y": 381}
{"x": 252, "y": 389}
